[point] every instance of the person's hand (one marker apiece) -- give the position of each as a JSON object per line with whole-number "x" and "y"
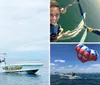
{"x": 89, "y": 29}
{"x": 63, "y": 10}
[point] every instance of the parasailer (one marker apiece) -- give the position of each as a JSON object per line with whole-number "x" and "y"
{"x": 85, "y": 54}
{"x": 3, "y": 55}
{"x": 95, "y": 31}
{"x": 56, "y": 31}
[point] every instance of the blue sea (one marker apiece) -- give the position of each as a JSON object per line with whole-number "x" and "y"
{"x": 40, "y": 78}
{"x": 86, "y": 79}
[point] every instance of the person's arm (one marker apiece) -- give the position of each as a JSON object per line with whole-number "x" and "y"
{"x": 96, "y": 31}
{"x": 63, "y": 10}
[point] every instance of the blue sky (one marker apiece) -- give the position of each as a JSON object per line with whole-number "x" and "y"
{"x": 24, "y": 29}
{"x": 64, "y": 59}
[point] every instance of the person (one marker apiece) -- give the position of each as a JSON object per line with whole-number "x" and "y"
{"x": 0, "y": 61}
{"x": 55, "y": 11}
{"x": 96, "y": 31}
{"x": 73, "y": 74}
{"x": 4, "y": 60}
{"x": 55, "y": 29}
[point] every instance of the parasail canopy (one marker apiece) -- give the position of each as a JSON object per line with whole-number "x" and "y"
{"x": 85, "y": 54}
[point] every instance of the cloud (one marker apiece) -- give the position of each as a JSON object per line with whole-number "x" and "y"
{"x": 96, "y": 65}
{"x": 39, "y": 46}
{"x": 70, "y": 66}
{"x": 53, "y": 68}
{"x": 61, "y": 61}
{"x": 24, "y": 25}
{"x": 94, "y": 68}
{"x": 61, "y": 68}
{"x": 89, "y": 69}
{"x": 52, "y": 64}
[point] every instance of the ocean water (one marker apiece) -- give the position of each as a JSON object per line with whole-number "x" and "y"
{"x": 40, "y": 78}
{"x": 86, "y": 79}
{"x": 72, "y": 18}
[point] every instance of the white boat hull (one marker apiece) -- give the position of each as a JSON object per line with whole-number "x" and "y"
{"x": 26, "y": 67}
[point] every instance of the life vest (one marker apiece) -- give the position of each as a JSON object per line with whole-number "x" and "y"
{"x": 54, "y": 31}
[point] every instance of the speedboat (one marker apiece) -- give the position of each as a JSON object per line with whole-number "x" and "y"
{"x": 29, "y": 67}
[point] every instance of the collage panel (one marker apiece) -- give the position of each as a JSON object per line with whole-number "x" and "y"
{"x": 75, "y": 31}
{"x": 74, "y": 21}
{"x": 73, "y": 64}
{"x": 24, "y": 42}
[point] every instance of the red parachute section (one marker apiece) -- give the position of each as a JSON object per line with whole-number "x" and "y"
{"x": 85, "y": 54}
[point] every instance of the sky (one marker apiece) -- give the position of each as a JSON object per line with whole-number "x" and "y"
{"x": 64, "y": 59}
{"x": 24, "y": 29}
